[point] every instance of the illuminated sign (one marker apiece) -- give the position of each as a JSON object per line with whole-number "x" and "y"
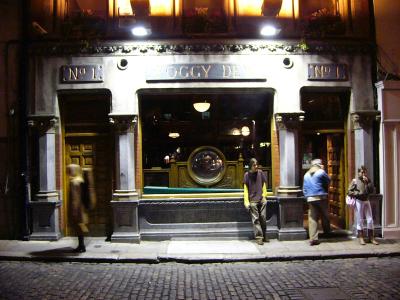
{"x": 328, "y": 72}
{"x": 82, "y": 73}
{"x": 202, "y": 72}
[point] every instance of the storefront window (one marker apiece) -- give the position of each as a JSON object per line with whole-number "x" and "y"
{"x": 185, "y": 148}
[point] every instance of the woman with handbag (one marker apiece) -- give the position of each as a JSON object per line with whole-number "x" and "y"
{"x": 360, "y": 187}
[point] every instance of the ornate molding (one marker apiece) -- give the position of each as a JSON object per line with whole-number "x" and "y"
{"x": 123, "y": 123}
{"x": 363, "y": 119}
{"x": 289, "y": 120}
{"x": 43, "y": 123}
{"x": 198, "y": 47}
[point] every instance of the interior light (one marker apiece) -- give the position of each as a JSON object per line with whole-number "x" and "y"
{"x": 174, "y": 135}
{"x": 201, "y": 106}
{"x": 140, "y": 31}
{"x": 269, "y": 30}
{"x": 245, "y": 131}
{"x": 235, "y": 131}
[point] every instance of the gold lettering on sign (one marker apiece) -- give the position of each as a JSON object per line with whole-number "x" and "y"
{"x": 76, "y": 73}
{"x": 174, "y": 71}
{"x": 230, "y": 71}
{"x": 183, "y": 71}
{"x": 206, "y": 70}
{"x": 194, "y": 73}
{"x": 321, "y": 71}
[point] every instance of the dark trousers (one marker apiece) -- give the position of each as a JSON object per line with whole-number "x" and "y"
{"x": 318, "y": 209}
{"x": 258, "y": 212}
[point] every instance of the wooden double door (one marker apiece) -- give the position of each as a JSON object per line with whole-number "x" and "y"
{"x": 330, "y": 148}
{"x": 93, "y": 152}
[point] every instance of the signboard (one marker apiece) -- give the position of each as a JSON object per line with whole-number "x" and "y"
{"x": 202, "y": 72}
{"x": 327, "y": 72}
{"x": 82, "y": 73}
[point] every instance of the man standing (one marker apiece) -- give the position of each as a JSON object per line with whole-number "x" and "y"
{"x": 255, "y": 193}
{"x": 315, "y": 189}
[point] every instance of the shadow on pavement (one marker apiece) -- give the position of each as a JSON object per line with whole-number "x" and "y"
{"x": 66, "y": 251}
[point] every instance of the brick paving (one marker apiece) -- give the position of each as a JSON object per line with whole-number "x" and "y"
{"x": 357, "y": 278}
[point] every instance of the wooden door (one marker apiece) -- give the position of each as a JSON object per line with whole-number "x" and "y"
{"x": 92, "y": 151}
{"x": 335, "y": 169}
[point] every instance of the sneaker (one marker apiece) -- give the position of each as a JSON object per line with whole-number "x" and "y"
{"x": 259, "y": 241}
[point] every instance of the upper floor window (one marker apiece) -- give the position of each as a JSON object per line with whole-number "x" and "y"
{"x": 144, "y": 8}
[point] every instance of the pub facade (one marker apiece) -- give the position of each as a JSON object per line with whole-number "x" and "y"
{"x": 169, "y": 121}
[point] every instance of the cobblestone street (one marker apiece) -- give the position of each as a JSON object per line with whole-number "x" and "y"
{"x": 360, "y": 278}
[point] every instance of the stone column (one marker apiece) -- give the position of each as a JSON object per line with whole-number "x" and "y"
{"x": 364, "y": 155}
{"x": 46, "y": 203}
{"x": 125, "y": 198}
{"x": 289, "y": 193}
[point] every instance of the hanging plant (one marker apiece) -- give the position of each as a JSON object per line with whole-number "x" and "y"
{"x": 83, "y": 25}
{"x": 200, "y": 20}
{"x": 324, "y": 23}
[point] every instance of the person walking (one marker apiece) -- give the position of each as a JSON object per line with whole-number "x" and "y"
{"x": 255, "y": 201}
{"x": 315, "y": 189}
{"x": 360, "y": 187}
{"x": 78, "y": 212}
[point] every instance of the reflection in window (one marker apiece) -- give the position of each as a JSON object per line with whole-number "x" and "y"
{"x": 95, "y": 8}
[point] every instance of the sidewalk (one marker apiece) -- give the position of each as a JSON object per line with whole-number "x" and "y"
{"x": 193, "y": 251}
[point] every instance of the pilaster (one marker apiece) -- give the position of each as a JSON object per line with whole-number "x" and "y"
{"x": 289, "y": 191}
{"x": 46, "y": 203}
{"x": 125, "y": 197}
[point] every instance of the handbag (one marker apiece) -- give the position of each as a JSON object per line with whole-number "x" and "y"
{"x": 350, "y": 201}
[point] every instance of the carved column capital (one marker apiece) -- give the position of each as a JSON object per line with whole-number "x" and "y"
{"x": 364, "y": 118}
{"x": 289, "y": 120}
{"x": 43, "y": 123}
{"x": 123, "y": 123}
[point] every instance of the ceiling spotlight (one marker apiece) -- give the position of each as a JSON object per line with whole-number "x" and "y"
{"x": 201, "y": 106}
{"x": 269, "y": 30}
{"x": 140, "y": 31}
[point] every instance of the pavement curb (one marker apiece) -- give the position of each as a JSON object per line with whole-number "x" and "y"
{"x": 195, "y": 260}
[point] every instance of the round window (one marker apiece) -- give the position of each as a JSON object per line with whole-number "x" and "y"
{"x": 206, "y": 165}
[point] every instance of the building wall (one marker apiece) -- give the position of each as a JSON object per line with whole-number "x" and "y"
{"x": 10, "y": 16}
{"x": 387, "y": 28}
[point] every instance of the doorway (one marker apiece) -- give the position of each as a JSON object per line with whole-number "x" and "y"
{"x": 88, "y": 143}
{"x": 323, "y": 136}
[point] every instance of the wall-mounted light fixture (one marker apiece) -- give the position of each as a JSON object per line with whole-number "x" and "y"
{"x": 141, "y": 31}
{"x": 202, "y": 106}
{"x": 269, "y": 30}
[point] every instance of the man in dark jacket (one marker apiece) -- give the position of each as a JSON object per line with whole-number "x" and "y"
{"x": 315, "y": 189}
{"x": 255, "y": 193}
